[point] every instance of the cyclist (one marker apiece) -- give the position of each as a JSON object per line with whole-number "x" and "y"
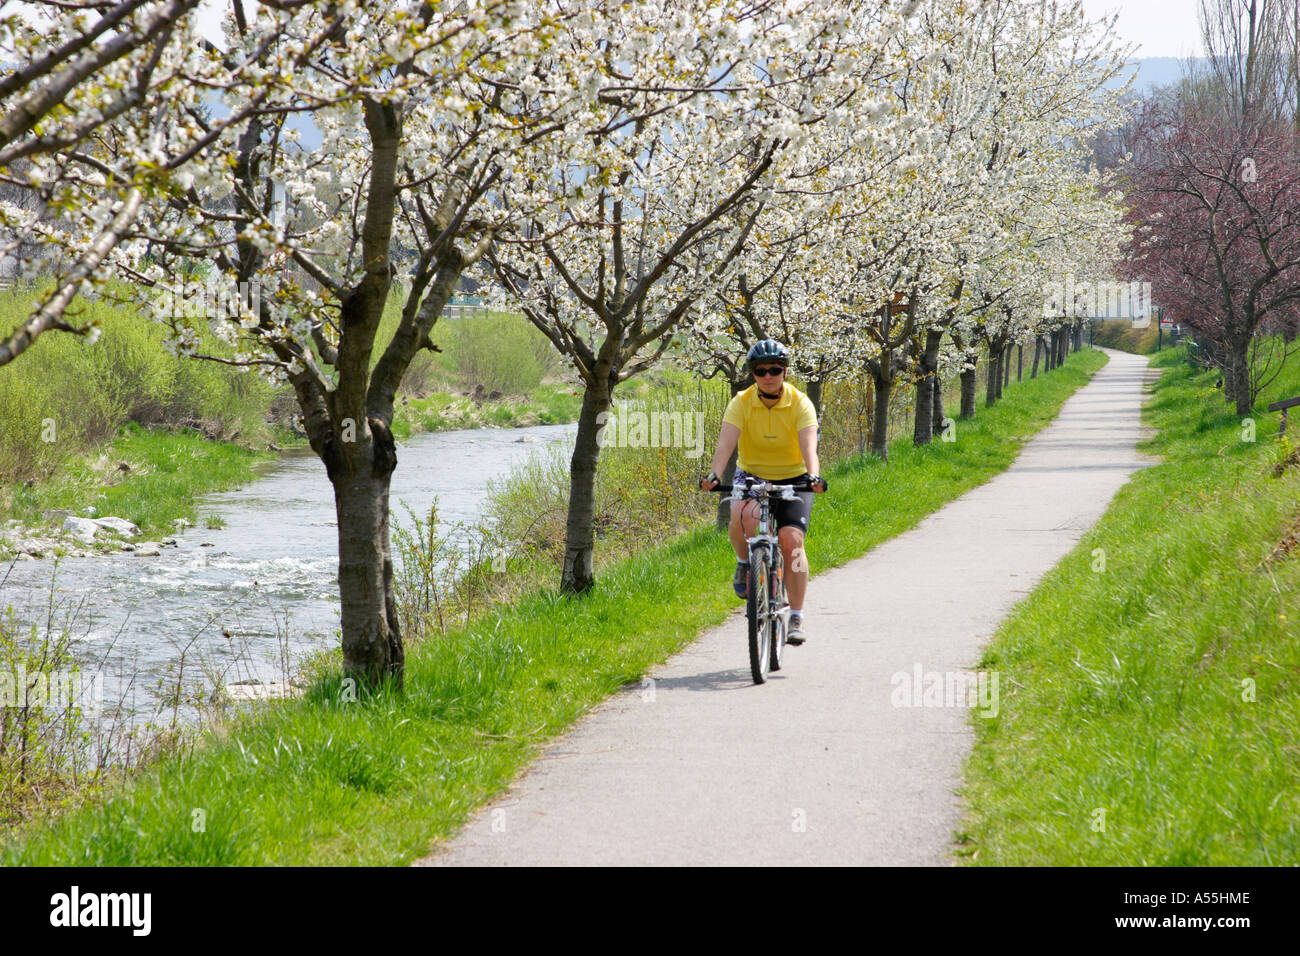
{"x": 775, "y": 425}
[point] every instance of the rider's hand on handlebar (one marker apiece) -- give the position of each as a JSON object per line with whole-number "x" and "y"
{"x": 817, "y": 483}
{"x": 709, "y": 481}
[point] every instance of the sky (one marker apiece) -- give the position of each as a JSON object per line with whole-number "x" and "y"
{"x": 1159, "y": 27}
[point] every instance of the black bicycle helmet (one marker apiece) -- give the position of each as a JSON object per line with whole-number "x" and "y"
{"x": 768, "y": 350}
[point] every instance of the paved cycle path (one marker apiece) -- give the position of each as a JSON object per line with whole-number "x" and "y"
{"x": 823, "y": 764}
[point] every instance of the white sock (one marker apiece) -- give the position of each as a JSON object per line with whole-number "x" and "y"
{"x": 793, "y": 612}
{"x": 742, "y": 561}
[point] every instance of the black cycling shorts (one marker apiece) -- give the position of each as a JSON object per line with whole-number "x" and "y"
{"x": 796, "y": 513}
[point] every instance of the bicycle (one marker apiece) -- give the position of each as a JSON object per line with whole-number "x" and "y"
{"x": 766, "y": 606}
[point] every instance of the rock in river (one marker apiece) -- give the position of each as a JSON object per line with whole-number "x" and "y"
{"x": 123, "y": 527}
{"x": 83, "y": 528}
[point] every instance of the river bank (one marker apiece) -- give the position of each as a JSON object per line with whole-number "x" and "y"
{"x": 152, "y": 478}
{"x": 235, "y": 608}
{"x": 127, "y": 429}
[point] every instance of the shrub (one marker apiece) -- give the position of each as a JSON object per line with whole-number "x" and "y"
{"x": 1121, "y": 334}
{"x": 84, "y": 393}
{"x": 498, "y": 351}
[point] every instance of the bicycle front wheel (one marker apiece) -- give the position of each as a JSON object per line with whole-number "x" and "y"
{"x": 776, "y": 606}
{"x": 757, "y": 608}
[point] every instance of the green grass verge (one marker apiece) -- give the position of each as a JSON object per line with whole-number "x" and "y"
{"x": 442, "y": 411}
{"x": 169, "y": 469}
{"x": 1120, "y": 334}
{"x": 1157, "y": 697}
{"x": 323, "y": 781}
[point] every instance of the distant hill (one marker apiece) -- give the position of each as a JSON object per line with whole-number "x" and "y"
{"x": 1155, "y": 71}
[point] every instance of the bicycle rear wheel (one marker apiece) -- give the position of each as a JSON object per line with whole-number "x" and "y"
{"x": 757, "y": 608}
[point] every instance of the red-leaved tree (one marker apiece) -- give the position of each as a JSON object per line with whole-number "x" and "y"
{"x": 1216, "y": 204}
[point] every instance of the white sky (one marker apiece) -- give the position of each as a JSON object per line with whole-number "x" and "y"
{"x": 1159, "y": 27}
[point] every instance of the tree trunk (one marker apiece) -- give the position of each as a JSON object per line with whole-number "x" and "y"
{"x": 995, "y": 376}
{"x": 884, "y": 384}
{"x": 923, "y": 429}
{"x": 814, "y": 394}
{"x": 723, "y": 520}
{"x": 1238, "y": 377}
{"x": 1038, "y": 351}
{"x": 1006, "y": 370}
{"x": 1020, "y": 362}
{"x": 372, "y": 637}
{"x": 936, "y": 414}
{"x": 968, "y": 384}
{"x": 923, "y": 413}
{"x": 580, "y": 531}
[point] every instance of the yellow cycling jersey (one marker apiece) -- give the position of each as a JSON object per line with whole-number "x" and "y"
{"x": 769, "y": 437}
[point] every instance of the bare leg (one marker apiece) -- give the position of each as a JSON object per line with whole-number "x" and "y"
{"x": 741, "y": 533}
{"x": 796, "y": 565}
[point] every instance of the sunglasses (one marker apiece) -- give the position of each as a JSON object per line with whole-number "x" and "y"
{"x": 771, "y": 370}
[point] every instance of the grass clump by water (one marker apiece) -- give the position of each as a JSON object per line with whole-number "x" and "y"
{"x": 550, "y": 404}
{"x": 164, "y": 472}
{"x": 334, "y": 780}
{"x": 1154, "y": 699}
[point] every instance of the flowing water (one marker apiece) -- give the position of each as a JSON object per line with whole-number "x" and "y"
{"x": 249, "y": 600}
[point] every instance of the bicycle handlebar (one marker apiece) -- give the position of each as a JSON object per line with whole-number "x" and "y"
{"x": 771, "y": 487}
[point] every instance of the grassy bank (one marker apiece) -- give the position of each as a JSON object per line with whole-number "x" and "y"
{"x": 1121, "y": 334}
{"x": 152, "y": 476}
{"x": 551, "y": 404}
{"x": 325, "y": 780}
{"x": 1153, "y": 701}
{"x": 149, "y": 476}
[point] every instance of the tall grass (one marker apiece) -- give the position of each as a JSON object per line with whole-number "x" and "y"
{"x": 61, "y": 745}
{"x": 518, "y": 544}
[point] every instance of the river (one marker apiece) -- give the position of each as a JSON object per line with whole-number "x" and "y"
{"x": 249, "y": 600}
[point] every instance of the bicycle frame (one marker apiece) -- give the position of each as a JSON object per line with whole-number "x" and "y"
{"x": 763, "y": 492}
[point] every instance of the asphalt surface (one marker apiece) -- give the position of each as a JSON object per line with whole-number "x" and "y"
{"x": 852, "y": 753}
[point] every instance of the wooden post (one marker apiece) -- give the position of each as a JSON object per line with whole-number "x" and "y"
{"x": 1282, "y": 406}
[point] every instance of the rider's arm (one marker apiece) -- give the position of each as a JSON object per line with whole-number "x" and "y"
{"x": 727, "y": 439}
{"x": 808, "y": 445}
